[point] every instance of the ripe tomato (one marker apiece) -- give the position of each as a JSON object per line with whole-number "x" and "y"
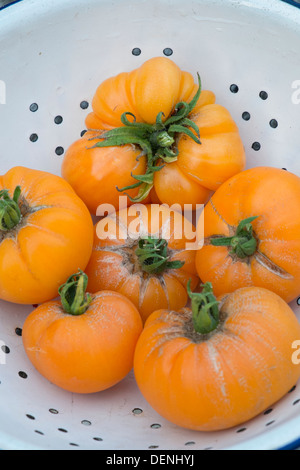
{"x": 188, "y": 144}
{"x": 46, "y": 232}
{"x": 221, "y": 362}
{"x": 83, "y": 343}
{"x": 147, "y": 253}
{"x": 252, "y": 233}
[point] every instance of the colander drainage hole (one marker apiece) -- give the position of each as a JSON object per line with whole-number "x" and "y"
{"x": 58, "y": 119}
{"x": 34, "y": 107}
{"x": 246, "y": 116}
{"x": 263, "y": 95}
{"x": 33, "y": 138}
{"x": 136, "y": 51}
{"x": 298, "y": 301}
{"x": 270, "y": 423}
{"x": 256, "y": 146}
{"x": 59, "y": 151}
{"x": 155, "y": 426}
{"x": 241, "y": 430}
{"x": 273, "y": 123}
{"x": 234, "y": 88}
{"x": 23, "y": 374}
{"x": 18, "y": 331}
{"x": 86, "y": 422}
{"x": 84, "y": 104}
{"x": 168, "y": 51}
{"x": 62, "y": 430}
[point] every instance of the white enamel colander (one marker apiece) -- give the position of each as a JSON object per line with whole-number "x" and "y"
{"x": 53, "y": 55}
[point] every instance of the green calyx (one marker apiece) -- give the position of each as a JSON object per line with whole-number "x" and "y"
{"x": 74, "y": 298}
{"x": 10, "y": 213}
{"x": 243, "y": 243}
{"x": 205, "y": 309}
{"x": 153, "y": 256}
{"x": 157, "y": 141}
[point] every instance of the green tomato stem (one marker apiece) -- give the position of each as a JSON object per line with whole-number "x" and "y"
{"x": 153, "y": 256}
{"x": 10, "y": 213}
{"x": 74, "y": 298}
{"x": 243, "y": 243}
{"x": 205, "y": 309}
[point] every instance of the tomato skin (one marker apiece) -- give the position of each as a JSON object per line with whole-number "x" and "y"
{"x": 53, "y": 239}
{"x": 114, "y": 264}
{"x": 276, "y": 263}
{"x": 201, "y": 169}
{"x": 220, "y": 154}
{"x": 156, "y": 87}
{"x": 96, "y": 173}
{"x": 220, "y": 380}
{"x": 87, "y": 353}
{"x": 172, "y": 184}
{"x": 155, "y": 93}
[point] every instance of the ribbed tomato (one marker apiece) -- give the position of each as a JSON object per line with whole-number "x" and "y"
{"x": 188, "y": 144}
{"x": 252, "y": 233}
{"x": 147, "y": 253}
{"x": 46, "y": 233}
{"x": 83, "y": 343}
{"x": 220, "y": 363}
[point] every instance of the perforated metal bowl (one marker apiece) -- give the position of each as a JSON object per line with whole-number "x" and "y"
{"x": 53, "y": 55}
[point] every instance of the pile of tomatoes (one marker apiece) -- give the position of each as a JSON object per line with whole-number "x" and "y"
{"x": 125, "y": 279}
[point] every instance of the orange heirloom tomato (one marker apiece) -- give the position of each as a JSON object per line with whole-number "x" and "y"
{"x": 143, "y": 253}
{"x": 252, "y": 233}
{"x": 188, "y": 144}
{"x": 46, "y": 233}
{"x": 220, "y": 363}
{"x": 83, "y": 343}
